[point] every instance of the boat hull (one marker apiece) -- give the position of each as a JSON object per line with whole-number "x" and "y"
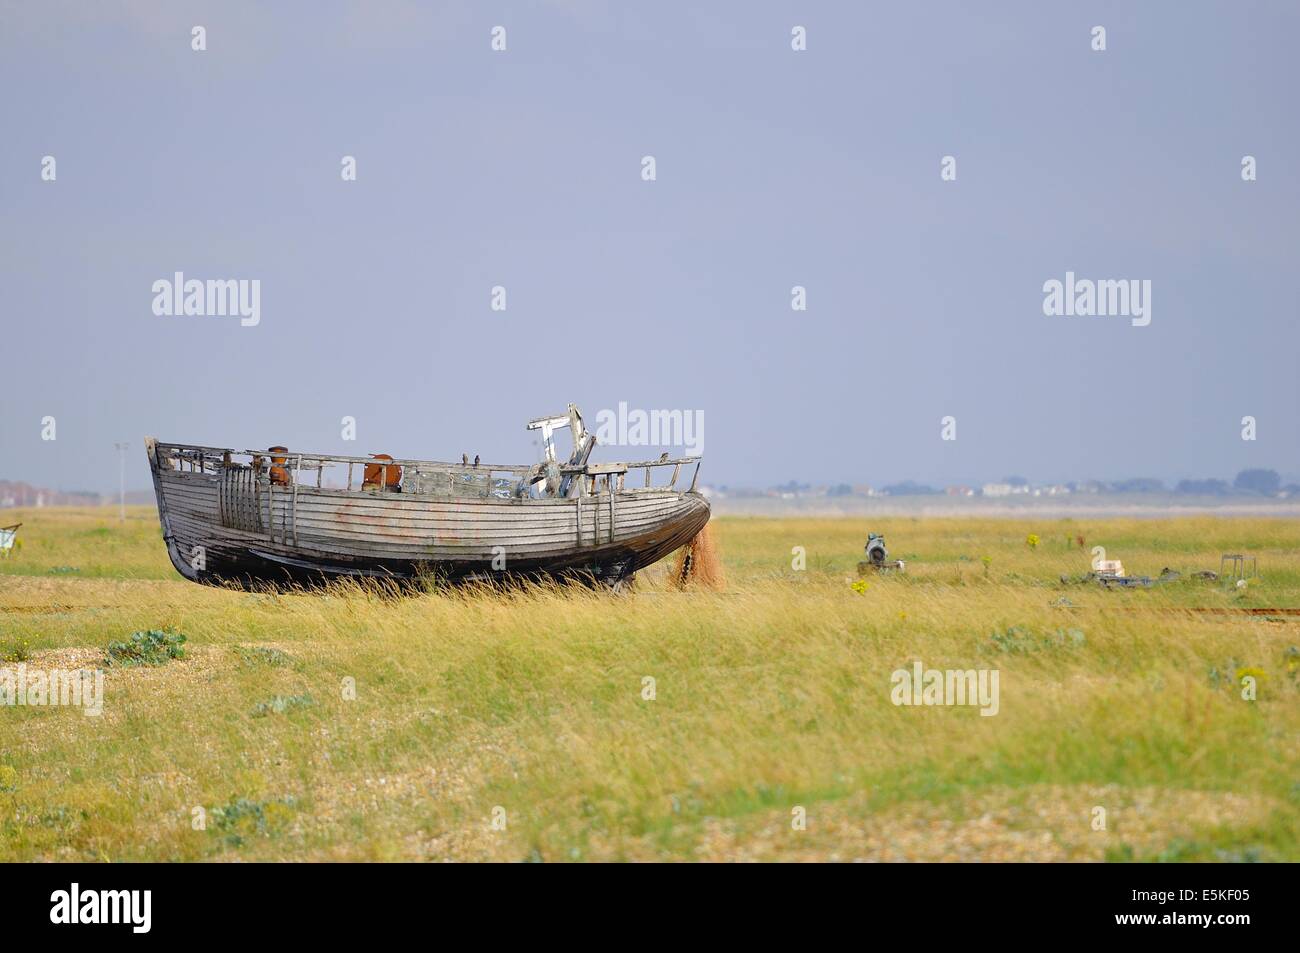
{"x": 307, "y": 535}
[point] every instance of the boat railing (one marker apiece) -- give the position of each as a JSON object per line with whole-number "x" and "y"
{"x": 615, "y": 474}
{"x": 423, "y": 476}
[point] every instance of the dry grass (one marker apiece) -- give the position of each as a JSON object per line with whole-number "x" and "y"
{"x": 771, "y": 695}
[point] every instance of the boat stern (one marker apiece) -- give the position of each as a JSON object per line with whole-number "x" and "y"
{"x": 179, "y": 561}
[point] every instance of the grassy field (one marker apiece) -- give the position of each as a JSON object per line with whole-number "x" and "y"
{"x": 519, "y": 726}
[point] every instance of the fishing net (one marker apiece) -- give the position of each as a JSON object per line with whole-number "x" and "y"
{"x": 699, "y": 563}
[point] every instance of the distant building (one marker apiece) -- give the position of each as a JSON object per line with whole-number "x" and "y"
{"x": 1004, "y": 489}
{"x": 959, "y": 491}
{"x": 24, "y": 494}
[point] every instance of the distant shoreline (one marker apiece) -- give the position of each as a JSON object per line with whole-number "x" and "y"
{"x": 1144, "y": 506}
{"x": 1099, "y": 506}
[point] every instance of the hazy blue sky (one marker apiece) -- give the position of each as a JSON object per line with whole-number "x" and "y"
{"x": 775, "y": 168}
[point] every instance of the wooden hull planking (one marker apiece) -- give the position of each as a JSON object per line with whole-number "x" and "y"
{"x": 306, "y": 534}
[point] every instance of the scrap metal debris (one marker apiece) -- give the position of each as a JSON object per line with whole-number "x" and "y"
{"x": 1239, "y": 561}
{"x": 878, "y": 557}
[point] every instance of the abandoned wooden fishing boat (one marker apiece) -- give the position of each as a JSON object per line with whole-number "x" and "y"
{"x": 274, "y": 516}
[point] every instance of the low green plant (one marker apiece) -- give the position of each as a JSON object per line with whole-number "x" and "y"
{"x": 242, "y": 816}
{"x": 1017, "y": 640}
{"x": 155, "y": 647}
{"x": 19, "y": 650}
{"x": 262, "y": 655}
{"x": 281, "y": 704}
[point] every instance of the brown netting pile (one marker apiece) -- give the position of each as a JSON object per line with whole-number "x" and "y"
{"x": 699, "y": 562}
